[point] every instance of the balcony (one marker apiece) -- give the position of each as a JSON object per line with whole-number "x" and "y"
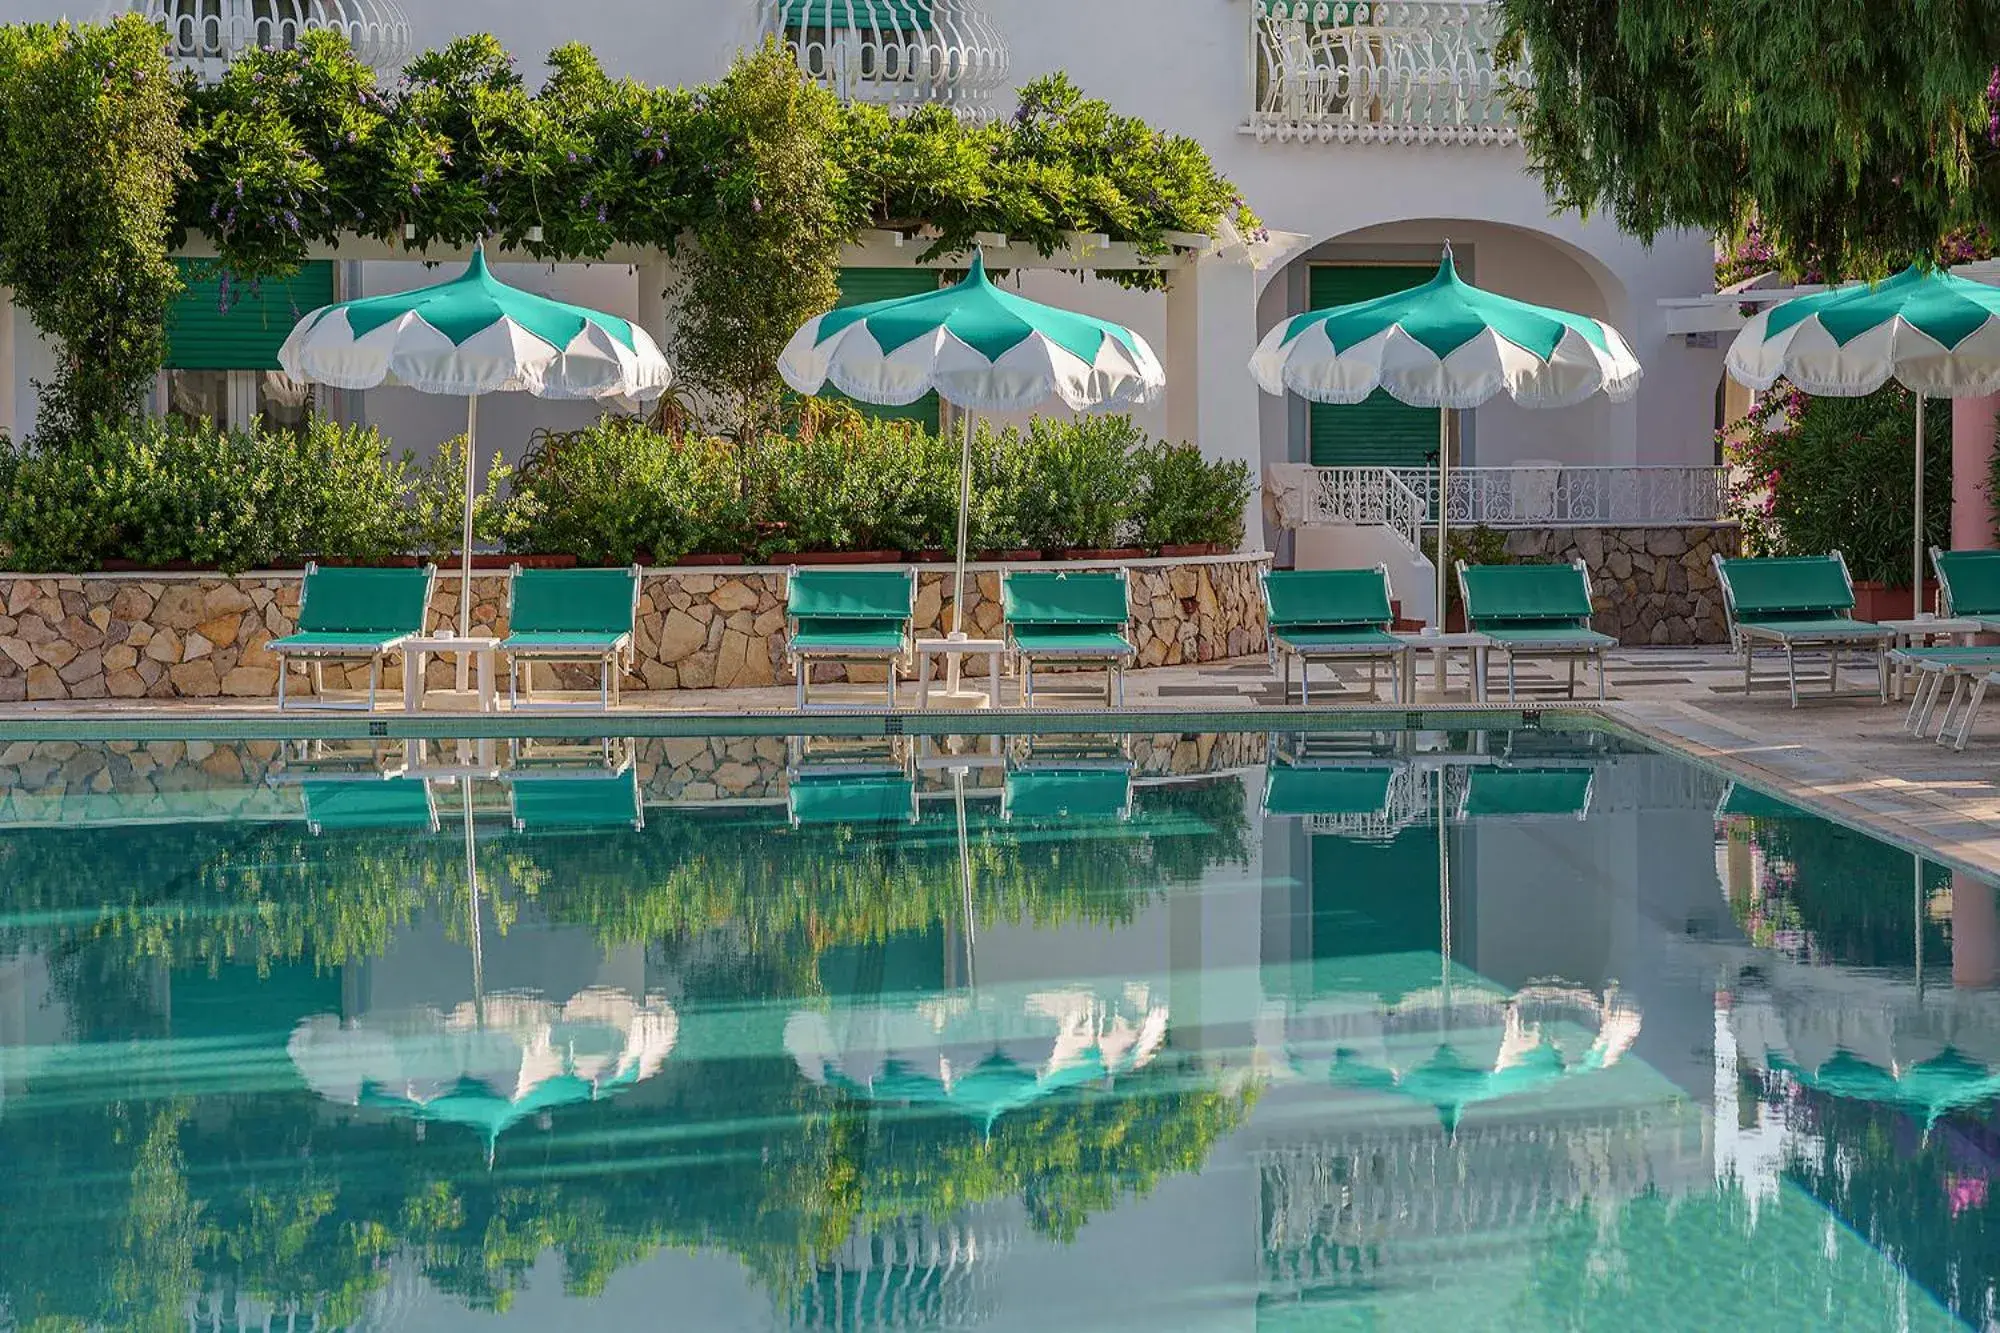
{"x": 205, "y": 35}
{"x": 1346, "y": 71}
{"x": 896, "y": 53}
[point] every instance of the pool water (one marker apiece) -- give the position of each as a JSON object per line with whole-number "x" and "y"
{"x": 1232, "y": 1031}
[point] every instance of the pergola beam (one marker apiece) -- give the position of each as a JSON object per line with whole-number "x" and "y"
{"x": 1091, "y": 252}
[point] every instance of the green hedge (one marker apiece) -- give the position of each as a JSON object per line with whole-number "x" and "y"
{"x": 160, "y": 494}
{"x": 166, "y": 493}
{"x": 619, "y": 490}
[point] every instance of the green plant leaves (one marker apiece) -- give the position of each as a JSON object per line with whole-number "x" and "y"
{"x": 1824, "y": 474}
{"x": 842, "y": 481}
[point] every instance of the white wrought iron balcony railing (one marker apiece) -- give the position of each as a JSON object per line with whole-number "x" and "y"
{"x": 1407, "y": 71}
{"x": 897, "y": 53}
{"x": 1545, "y": 497}
{"x": 205, "y": 35}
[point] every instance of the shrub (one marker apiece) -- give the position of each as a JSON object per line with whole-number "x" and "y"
{"x": 166, "y": 492}
{"x": 618, "y": 491}
{"x": 1082, "y": 476}
{"x": 434, "y": 504}
{"x": 1187, "y": 499}
{"x": 1476, "y": 545}
{"x": 1822, "y": 474}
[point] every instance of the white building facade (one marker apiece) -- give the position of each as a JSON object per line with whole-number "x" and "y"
{"x": 1365, "y": 136}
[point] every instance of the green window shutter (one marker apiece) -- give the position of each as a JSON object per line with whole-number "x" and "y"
{"x": 202, "y": 336}
{"x": 1379, "y": 431}
{"x": 859, "y": 286}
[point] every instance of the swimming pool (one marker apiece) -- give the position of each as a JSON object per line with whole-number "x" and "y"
{"x": 1196, "y": 1030}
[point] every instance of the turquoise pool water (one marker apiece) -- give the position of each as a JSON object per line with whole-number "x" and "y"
{"x": 1228, "y": 1031}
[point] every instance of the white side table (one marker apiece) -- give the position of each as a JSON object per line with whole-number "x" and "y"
{"x": 1920, "y": 633}
{"x": 1441, "y": 647}
{"x": 479, "y": 650}
{"x": 992, "y": 649}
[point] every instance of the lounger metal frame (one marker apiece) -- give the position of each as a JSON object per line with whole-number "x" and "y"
{"x": 1866, "y": 636}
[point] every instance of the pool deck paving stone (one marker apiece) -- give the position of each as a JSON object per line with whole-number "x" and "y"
{"x": 1847, "y": 756}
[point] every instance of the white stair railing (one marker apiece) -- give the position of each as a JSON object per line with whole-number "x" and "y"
{"x": 1361, "y": 496}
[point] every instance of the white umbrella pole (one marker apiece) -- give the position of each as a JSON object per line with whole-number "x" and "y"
{"x": 1917, "y": 552}
{"x": 1444, "y": 484}
{"x": 964, "y": 873}
{"x": 465, "y": 587}
{"x": 955, "y": 661}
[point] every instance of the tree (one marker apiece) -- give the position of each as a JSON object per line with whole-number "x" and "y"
{"x": 767, "y": 259}
{"x": 1858, "y": 139}
{"x": 90, "y": 158}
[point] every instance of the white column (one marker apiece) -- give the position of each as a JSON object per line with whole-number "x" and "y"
{"x": 651, "y": 309}
{"x": 1211, "y": 399}
{"x": 10, "y": 419}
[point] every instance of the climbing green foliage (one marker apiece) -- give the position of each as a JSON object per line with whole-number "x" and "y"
{"x": 90, "y": 156}
{"x": 1857, "y": 139}
{"x": 754, "y": 183}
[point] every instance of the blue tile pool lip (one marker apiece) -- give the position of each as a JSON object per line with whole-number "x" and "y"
{"x": 267, "y": 725}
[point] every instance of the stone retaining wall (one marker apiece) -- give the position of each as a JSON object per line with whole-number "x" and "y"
{"x": 71, "y": 783}
{"x": 1650, "y": 585}
{"x": 202, "y": 636}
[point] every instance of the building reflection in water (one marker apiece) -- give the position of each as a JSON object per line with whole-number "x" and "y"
{"x": 927, "y": 1032}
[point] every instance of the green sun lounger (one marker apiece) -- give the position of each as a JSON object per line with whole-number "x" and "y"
{"x": 1331, "y": 615}
{"x": 1099, "y": 791}
{"x": 1968, "y": 584}
{"x": 1526, "y": 793}
{"x": 583, "y": 800}
{"x": 1797, "y": 602}
{"x": 352, "y": 615}
{"x": 851, "y": 798}
{"x": 1968, "y": 589}
{"x": 849, "y": 616}
{"x": 1074, "y": 619}
{"x": 1308, "y": 790}
{"x": 583, "y": 616}
{"x": 404, "y": 804}
{"x": 1742, "y": 802}
{"x": 1540, "y": 612}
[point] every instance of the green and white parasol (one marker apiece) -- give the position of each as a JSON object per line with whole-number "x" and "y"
{"x": 1935, "y": 333}
{"x": 1448, "y": 345}
{"x": 980, "y": 349}
{"x": 470, "y": 336}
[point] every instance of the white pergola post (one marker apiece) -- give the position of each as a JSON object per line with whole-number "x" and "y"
{"x": 1211, "y": 399}
{"x": 651, "y": 310}
{"x": 10, "y": 422}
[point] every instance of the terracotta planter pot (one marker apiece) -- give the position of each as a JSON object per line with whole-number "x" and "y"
{"x": 1879, "y": 601}
{"x": 1104, "y": 553}
{"x": 122, "y": 566}
{"x": 707, "y": 558}
{"x": 1191, "y": 548}
{"x": 526, "y": 561}
{"x": 386, "y": 562}
{"x": 844, "y": 557}
{"x": 989, "y": 557}
{"x": 927, "y": 557}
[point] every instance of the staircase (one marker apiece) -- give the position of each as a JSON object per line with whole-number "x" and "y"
{"x": 1356, "y": 517}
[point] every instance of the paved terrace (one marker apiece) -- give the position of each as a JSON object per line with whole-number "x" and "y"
{"x": 1847, "y": 757}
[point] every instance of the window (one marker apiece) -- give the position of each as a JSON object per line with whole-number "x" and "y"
{"x": 222, "y": 354}
{"x": 858, "y": 286}
{"x": 1379, "y": 431}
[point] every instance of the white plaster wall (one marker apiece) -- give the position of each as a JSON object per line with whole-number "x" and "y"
{"x": 1185, "y": 65}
